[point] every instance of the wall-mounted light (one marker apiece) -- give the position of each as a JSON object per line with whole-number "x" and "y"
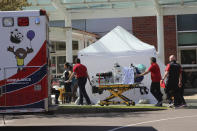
{"x": 8, "y": 21}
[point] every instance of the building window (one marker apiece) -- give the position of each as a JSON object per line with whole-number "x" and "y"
{"x": 53, "y": 48}
{"x": 58, "y": 46}
{"x": 74, "y": 57}
{"x": 187, "y": 22}
{"x": 187, "y": 48}
{"x": 53, "y": 64}
{"x": 187, "y": 38}
{"x": 60, "y": 64}
{"x": 75, "y": 45}
{"x": 188, "y": 56}
{"x": 57, "y": 65}
{"x": 88, "y": 43}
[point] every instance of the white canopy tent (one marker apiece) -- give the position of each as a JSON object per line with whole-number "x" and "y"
{"x": 118, "y": 46}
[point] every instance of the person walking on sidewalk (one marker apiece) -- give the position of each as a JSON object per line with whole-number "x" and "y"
{"x": 81, "y": 73}
{"x": 173, "y": 73}
{"x": 155, "y": 77}
{"x": 67, "y": 85}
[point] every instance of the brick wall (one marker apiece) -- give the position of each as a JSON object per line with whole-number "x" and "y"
{"x": 145, "y": 28}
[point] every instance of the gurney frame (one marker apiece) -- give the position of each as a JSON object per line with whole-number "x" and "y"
{"x": 117, "y": 91}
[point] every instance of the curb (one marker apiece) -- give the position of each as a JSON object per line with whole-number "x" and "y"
{"x": 73, "y": 110}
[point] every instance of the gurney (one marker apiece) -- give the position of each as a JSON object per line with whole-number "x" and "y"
{"x": 114, "y": 81}
{"x": 117, "y": 92}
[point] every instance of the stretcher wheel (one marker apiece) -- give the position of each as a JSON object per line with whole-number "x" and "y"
{"x": 101, "y": 104}
{"x": 132, "y": 103}
{"x": 127, "y": 103}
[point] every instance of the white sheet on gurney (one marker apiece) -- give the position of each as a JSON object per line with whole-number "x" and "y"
{"x": 128, "y": 75}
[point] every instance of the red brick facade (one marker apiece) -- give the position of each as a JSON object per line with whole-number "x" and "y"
{"x": 145, "y": 28}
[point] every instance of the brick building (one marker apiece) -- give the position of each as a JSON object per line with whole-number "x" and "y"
{"x": 145, "y": 28}
{"x": 180, "y": 39}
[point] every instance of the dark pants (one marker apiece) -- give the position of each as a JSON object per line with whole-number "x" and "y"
{"x": 57, "y": 94}
{"x": 181, "y": 100}
{"x": 82, "y": 91}
{"x": 172, "y": 90}
{"x": 155, "y": 90}
{"x": 68, "y": 90}
{"x": 169, "y": 95}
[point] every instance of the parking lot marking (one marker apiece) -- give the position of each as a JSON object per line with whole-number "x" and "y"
{"x": 145, "y": 122}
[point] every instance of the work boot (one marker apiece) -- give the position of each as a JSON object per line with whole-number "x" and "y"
{"x": 171, "y": 105}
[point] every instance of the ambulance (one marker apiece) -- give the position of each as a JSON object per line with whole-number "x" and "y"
{"x": 24, "y": 61}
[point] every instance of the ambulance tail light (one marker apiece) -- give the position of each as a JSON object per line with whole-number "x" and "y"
{"x": 23, "y": 21}
{"x": 43, "y": 12}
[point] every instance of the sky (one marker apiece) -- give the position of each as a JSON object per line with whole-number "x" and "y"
{"x": 98, "y": 26}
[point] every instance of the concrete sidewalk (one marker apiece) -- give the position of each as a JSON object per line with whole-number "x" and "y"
{"x": 72, "y": 108}
{"x": 193, "y": 97}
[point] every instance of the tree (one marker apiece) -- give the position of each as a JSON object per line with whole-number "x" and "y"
{"x": 11, "y": 5}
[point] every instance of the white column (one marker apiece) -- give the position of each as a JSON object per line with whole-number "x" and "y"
{"x": 85, "y": 41}
{"x": 68, "y": 26}
{"x": 160, "y": 38}
{"x": 81, "y": 44}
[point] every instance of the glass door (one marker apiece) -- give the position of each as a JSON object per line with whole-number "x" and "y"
{"x": 61, "y": 60}
{"x": 188, "y": 59}
{"x": 57, "y": 65}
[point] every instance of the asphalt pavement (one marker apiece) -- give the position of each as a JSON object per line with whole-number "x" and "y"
{"x": 182, "y": 119}
{"x": 165, "y": 120}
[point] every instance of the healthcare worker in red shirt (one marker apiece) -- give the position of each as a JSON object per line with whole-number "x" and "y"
{"x": 155, "y": 77}
{"x": 173, "y": 73}
{"x": 80, "y": 71}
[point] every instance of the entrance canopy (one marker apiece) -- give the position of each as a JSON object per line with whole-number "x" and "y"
{"x": 88, "y": 9}
{"x": 93, "y": 9}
